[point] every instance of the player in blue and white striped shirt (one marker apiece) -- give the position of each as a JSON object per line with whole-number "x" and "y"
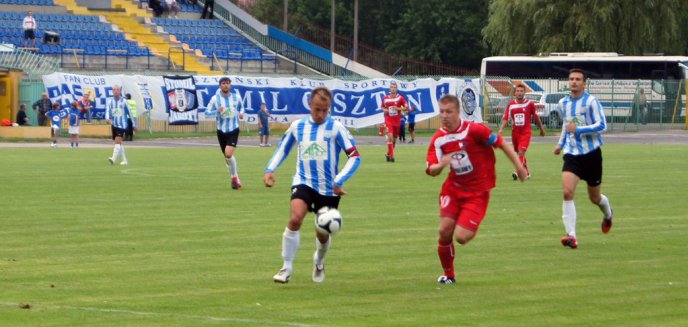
{"x": 318, "y": 183}
{"x": 227, "y": 109}
{"x": 118, "y": 114}
{"x": 581, "y": 143}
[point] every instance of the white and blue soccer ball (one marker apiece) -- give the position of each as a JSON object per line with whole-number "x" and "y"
{"x": 328, "y": 220}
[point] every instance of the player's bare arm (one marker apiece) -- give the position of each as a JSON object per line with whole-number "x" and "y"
{"x": 269, "y": 179}
{"x": 436, "y": 169}
{"x": 338, "y": 190}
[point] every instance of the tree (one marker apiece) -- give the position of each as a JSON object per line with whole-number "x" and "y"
{"x": 628, "y": 27}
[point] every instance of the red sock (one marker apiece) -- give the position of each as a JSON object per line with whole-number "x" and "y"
{"x": 446, "y": 253}
{"x": 524, "y": 162}
{"x": 390, "y": 149}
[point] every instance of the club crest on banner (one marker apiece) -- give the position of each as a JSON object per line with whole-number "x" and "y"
{"x": 181, "y": 99}
{"x": 468, "y": 94}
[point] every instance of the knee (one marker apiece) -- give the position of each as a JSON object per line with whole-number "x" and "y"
{"x": 463, "y": 239}
{"x": 569, "y": 194}
{"x": 446, "y": 234}
{"x": 295, "y": 223}
{"x": 595, "y": 198}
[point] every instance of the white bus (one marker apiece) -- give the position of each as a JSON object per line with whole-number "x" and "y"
{"x": 614, "y": 78}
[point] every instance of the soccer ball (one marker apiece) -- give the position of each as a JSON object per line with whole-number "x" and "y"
{"x": 328, "y": 220}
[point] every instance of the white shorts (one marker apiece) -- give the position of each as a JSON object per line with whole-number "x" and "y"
{"x": 73, "y": 129}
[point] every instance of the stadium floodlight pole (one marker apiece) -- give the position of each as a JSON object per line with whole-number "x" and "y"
{"x": 332, "y": 38}
{"x": 286, "y": 19}
{"x": 355, "y": 30}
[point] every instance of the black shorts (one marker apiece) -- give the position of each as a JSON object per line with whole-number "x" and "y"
{"x": 412, "y": 127}
{"x": 313, "y": 199}
{"x": 226, "y": 139}
{"x": 587, "y": 167}
{"x": 118, "y": 132}
{"x": 29, "y": 34}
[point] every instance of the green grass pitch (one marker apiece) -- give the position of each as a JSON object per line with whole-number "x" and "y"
{"x": 165, "y": 242}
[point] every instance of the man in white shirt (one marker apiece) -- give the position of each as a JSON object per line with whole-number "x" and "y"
{"x": 29, "y": 26}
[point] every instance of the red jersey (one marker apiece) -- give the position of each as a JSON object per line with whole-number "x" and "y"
{"x": 473, "y": 160}
{"x": 393, "y": 116}
{"x": 520, "y": 115}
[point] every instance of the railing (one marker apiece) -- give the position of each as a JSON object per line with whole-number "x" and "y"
{"x": 306, "y": 58}
{"x": 169, "y": 58}
{"x": 215, "y": 61}
{"x": 23, "y": 59}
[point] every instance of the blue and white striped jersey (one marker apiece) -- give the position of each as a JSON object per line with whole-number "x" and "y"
{"x": 117, "y": 110}
{"x": 587, "y": 113}
{"x": 226, "y": 110}
{"x": 319, "y": 146}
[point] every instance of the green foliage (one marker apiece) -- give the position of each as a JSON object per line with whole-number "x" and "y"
{"x": 628, "y": 27}
{"x": 165, "y": 242}
{"x": 399, "y": 27}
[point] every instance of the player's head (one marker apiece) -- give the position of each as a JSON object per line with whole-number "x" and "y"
{"x": 577, "y": 80}
{"x": 128, "y": 96}
{"x": 393, "y": 87}
{"x": 29, "y": 13}
{"x": 321, "y": 99}
{"x": 519, "y": 91}
{"x": 263, "y": 106}
{"x": 225, "y": 84}
{"x": 449, "y": 111}
{"x": 116, "y": 91}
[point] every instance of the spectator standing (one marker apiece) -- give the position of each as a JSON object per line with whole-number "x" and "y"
{"x": 22, "y": 119}
{"x": 74, "y": 123}
{"x": 412, "y": 123}
{"x": 41, "y": 107}
{"x": 56, "y": 115}
{"x": 129, "y": 136}
{"x": 264, "y": 125}
{"x": 172, "y": 8}
{"x": 208, "y": 9}
{"x": 85, "y": 105}
{"x": 29, "y": 26}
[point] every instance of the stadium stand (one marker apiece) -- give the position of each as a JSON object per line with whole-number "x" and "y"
{"x": 90, "y": 38}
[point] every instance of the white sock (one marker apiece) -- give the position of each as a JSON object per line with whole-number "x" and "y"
{"x": 233, "y": 168}
{"x": 290, "y": 244}
{"x": 321, "y": 251}
{"x": 605, "y": 207}
{"x": 115, "y": 152}
{"x": 124, "y": 155}
{"x": 569, "y": 217}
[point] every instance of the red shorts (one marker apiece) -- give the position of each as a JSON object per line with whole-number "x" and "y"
{"x": 393, "y": 129}
{"x": 467, "y": 208}
{"x": 520, "y": 141}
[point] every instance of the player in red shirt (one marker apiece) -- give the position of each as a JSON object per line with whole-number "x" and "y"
{"x": 520, "y": 111}
{"x": 467, "y": 149}
{"x": 393, "y": 106}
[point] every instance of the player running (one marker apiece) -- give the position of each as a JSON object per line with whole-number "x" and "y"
{"x": 317, "y": 183}
{"x": 393, "y": 106}
{"x": 228, "y": 109}
{"x": 467, "y": 149}
{"x": 520, "y": 111}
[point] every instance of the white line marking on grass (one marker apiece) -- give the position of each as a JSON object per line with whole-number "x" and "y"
{"x": 158, "y": 314}
{"x": 135, "y": 172}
